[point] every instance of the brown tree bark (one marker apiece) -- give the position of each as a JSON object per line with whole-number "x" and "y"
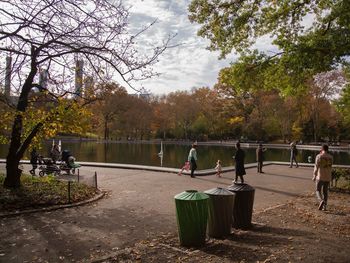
{"x": 17, "y": 148}
{"x": 13, "y": 173}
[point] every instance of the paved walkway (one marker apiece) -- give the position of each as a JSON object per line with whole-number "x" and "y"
{"x": 140, "y": 204}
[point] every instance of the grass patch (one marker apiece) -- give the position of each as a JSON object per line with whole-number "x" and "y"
{"x": 36, "y": 192}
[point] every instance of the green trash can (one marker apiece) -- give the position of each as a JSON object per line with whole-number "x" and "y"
{"x": 220, "y": 212}
{"x": 243, "y": 205}
{"x": 192, "y": 217}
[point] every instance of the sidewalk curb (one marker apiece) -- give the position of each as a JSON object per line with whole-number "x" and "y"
{"x": 176, "y": 170}
{"x": 97, "y": 197}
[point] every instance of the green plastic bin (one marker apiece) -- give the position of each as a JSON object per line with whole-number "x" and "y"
{"x": 192, "y": 217}
{"x": 243, "y": 205}
{"x": 220, "y": 212}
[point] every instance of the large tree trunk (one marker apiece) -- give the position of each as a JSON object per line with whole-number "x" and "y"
{"x": 17, "y": 147}
{"x": 13, "y": 174}
{"x": 13, "y": 178}
{"x": 16, "y": 152}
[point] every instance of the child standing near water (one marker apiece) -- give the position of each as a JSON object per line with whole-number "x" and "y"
{"x": 186, "y": 167}
{"x": 218, "y": 168}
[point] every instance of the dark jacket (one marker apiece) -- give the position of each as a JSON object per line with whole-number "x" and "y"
{"x": 239, "y": 159}
{"x": 260, "y": 154}
{"x": 34, "y": 157}
{"x": 294, "y": 150}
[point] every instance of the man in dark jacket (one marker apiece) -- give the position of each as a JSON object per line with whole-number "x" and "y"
{"x": 34, "y": 157}
{"x": 293, "y": 154}
{"x": 260, "y": 157}
{"x": 239, "y": 163}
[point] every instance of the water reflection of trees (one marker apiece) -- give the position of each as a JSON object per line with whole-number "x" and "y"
{"x": 174, "y": 154}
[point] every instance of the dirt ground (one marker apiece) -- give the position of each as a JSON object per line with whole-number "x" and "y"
{"x": 293, "y": 232}
{"x": 136, "y": 222}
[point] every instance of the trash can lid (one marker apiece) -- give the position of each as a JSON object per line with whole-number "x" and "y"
{"x": 191, "y": 195}
{"x": 237, "y": 187}
{"x": 218, "y": 191}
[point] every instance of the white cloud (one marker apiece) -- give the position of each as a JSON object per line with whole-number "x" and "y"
{"x": 183, "y": 67}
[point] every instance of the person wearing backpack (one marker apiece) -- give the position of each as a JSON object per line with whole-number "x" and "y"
{"x": 293, "y": 155}
{"x": 322, "y": 175}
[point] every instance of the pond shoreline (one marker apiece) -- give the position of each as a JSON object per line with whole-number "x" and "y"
{"x": 201, "y": 172}
{"x": 226, "y": 143}
{"x": 146, "y": 153}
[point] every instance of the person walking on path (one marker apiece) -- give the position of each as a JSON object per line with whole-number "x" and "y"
{"x": 260, "y": 157}
{"x": 192, "y": 158}
{"x": 218, "y": 168}
{"x": 239, "y": 163}
{"x": 322, "y": 175}
{"x": 293, "y": 155}
{"x": 34, "y": 158}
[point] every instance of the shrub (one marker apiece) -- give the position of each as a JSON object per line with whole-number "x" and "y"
{"x": 42, "y": 192}
{"x": 342, "y": 174}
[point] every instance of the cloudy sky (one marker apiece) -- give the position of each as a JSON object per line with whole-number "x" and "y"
{"x": 185, "y": 66}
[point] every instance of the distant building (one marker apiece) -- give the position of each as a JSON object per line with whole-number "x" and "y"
{"x": 143, "y": 94}
{"x": 89, "y": 86}
{"x": 8, "y": 72}
{"x": 43, "y": 74}
{"x": 79, "y": 70}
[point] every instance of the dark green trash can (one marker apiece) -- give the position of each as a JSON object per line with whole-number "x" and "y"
{"x": 243, "y": 205}
{"x": 192, "y": 217}
{"x": 220, "y": 212}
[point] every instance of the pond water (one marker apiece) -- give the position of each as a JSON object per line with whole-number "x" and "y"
{"x": 174, "y": 155}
